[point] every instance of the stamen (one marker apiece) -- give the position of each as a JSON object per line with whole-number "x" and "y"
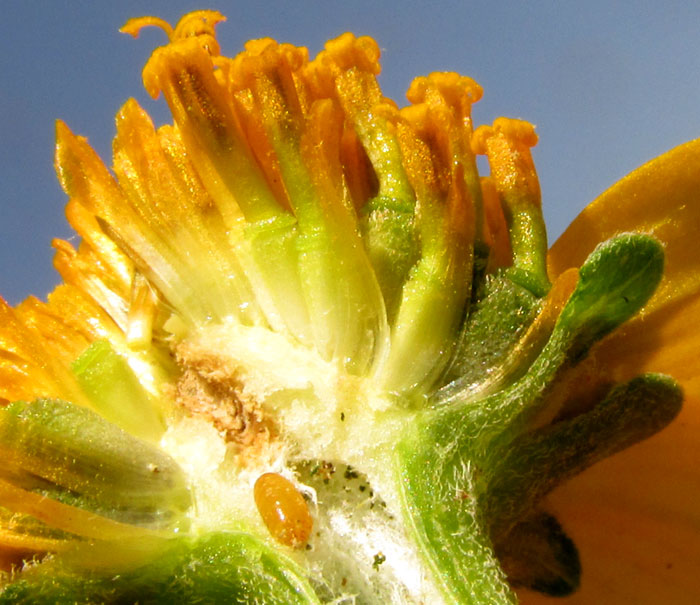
{"x": 185, "y": 74}
{"x": 134, "y": 26}
{"x": 197, "y": 24}
{"x": 346, "y": 71}
{"x": 435, "y": 294}
{"x": 451, "y": 96}
{"x": 495, "y": 228}
{"x": 507, "y": 145}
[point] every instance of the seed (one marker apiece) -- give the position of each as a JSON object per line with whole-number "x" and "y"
{"x": 283, "y": 509}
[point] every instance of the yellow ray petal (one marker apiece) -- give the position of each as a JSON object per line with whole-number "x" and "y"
{"x": 14, "y": 541}
{"x": 662, "y": 199}
{"x": 28, "y": 368}
{"x": 186, "y": 241}
{"x": 14, "y": 557}
{"x": 60, "y": 340}
{"x": 635, "y": 520}
{"x": 83, "y": 271}
{"x": 69, "y": 518}
{"x": 635, "y": 516}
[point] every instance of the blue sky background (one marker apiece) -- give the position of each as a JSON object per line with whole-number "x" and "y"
{"x": 608, "y": 84}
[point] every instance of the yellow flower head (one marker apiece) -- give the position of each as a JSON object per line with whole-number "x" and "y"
{"x": 305, "y": 352}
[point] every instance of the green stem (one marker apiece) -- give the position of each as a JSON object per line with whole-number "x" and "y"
{"x": 436, "y": 490}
